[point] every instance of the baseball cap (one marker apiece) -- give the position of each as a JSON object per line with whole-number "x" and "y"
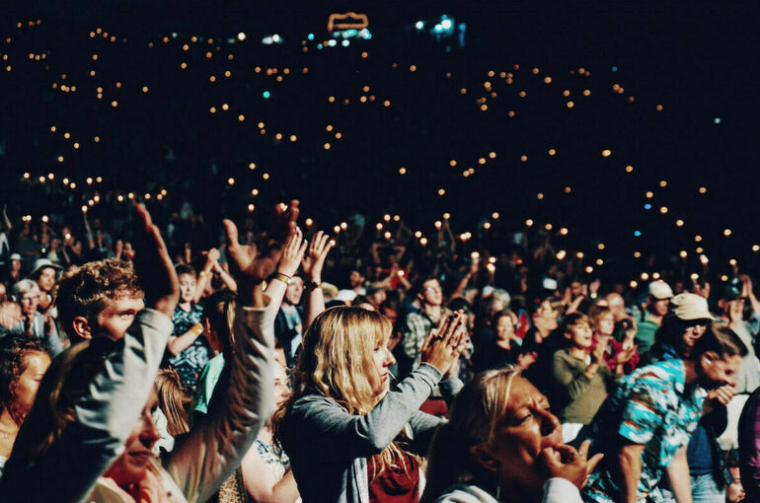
{"x": 660, "y": 290}
{"x": 689, "y": 306}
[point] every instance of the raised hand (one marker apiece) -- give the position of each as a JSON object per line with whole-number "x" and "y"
{"x": 292, "y": 254}
{"x": 314, "y": 261}
{"x": 565, "y": 462}
{"x": 249, "y": 264}
{"x": 153, "y": 265}
{"x": 444, "y": 345}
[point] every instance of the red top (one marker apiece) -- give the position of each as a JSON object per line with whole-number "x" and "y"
{"x": 396, "y": 485}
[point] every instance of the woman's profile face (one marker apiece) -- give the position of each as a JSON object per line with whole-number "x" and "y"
{"x": 380, "y": 376}
{"x": 29, "y": 381}
{"x": 131, "y": 466}
{"x": 521, "y": 435}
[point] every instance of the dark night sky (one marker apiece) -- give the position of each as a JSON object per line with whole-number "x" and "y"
{"x": 699, "y": 59}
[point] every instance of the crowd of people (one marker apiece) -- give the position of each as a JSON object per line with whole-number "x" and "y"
{"x": 413, "y": 335}
{"x": 136, "y": 367}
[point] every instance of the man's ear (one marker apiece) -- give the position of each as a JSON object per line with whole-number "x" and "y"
{"x": 483, "y": 457}
{"x": 81, "y": 327}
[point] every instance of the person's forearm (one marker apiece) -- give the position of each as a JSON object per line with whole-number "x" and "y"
{"x": 630, "y": 474}
{"x": 179, "y": 343}
{"x": 754, "y": 302}
{"x": 216, "y": 446}
{"x": 315, "y": 304}
{"x": 228, "y": 280}
{"x": 461, "y": 286}
{"x": 678, "y": 473}
{"x": 203, "y": 280}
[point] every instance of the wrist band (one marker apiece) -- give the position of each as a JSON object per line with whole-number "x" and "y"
{"x": 197, "y": 329}
{"x": 282, "y": 277}
{"x": 313, "y": 285}
{"x": 203, "y": 274}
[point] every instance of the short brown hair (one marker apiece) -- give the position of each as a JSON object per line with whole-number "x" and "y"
{"x": 83, "y": 289}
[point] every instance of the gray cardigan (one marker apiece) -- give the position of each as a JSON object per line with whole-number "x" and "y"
{"x": 328, "y": 447}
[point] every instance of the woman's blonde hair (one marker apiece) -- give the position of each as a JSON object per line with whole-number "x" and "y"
{"x": 335, "y": 362}
{"x": 173, "y": 401}
{"x": 479, "y": 407}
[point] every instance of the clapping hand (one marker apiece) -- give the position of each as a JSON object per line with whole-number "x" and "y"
{"x": 444, "y": 345}
{"x": 314, "y": 260}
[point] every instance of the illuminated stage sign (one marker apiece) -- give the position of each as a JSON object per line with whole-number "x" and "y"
{"x": 347, "y": 21}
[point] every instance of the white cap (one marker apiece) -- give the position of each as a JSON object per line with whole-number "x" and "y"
{"x": 660, "y": 290}
{"x": 689, "y": 306}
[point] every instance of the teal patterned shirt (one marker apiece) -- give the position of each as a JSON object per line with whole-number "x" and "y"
{"x": 652, "y": 406}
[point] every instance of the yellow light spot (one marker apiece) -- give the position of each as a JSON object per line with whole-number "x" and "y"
{"x": 697, "y": 238}
{"x": 629, "y": 169}
{"x": 145, "y": 89}
{"x": 241, "y": 118}
{"x": 529, "y": 222}
{"x": 552, "y": 151}
{"x": 548, "y": 227}
{"x": 586, "y": 92}
{"x": 568, "y": 189}
{"x": 540, "y": 196}
{"x": 212, "y": 110}
{"x": 570, "y": 104}
{"x": 679, "y": 223}
{"x": 293, "y": 138}
{"x": 727, "y": 232}
{"x": 637, "y": 254}
{"x": 524, "y": 158}
{"x": 114, "y": 103}
{"x": 441, "y": 192}
{"x": 703, "y": 190}
{"x": 606, "y": 153}
{"x": 402, "y": 171}
{"x": 225, "y": 107}
{"x": 663, "y": 209}
{"x": 659, "y": 108}
{"x": 649, "y": 195}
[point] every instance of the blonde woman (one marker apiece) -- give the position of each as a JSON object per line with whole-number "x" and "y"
{"x": 502, "y": 444}
{"x": 350, "y": 437}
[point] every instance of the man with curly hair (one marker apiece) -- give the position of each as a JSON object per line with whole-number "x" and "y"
{"x": 99, "y": 299}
